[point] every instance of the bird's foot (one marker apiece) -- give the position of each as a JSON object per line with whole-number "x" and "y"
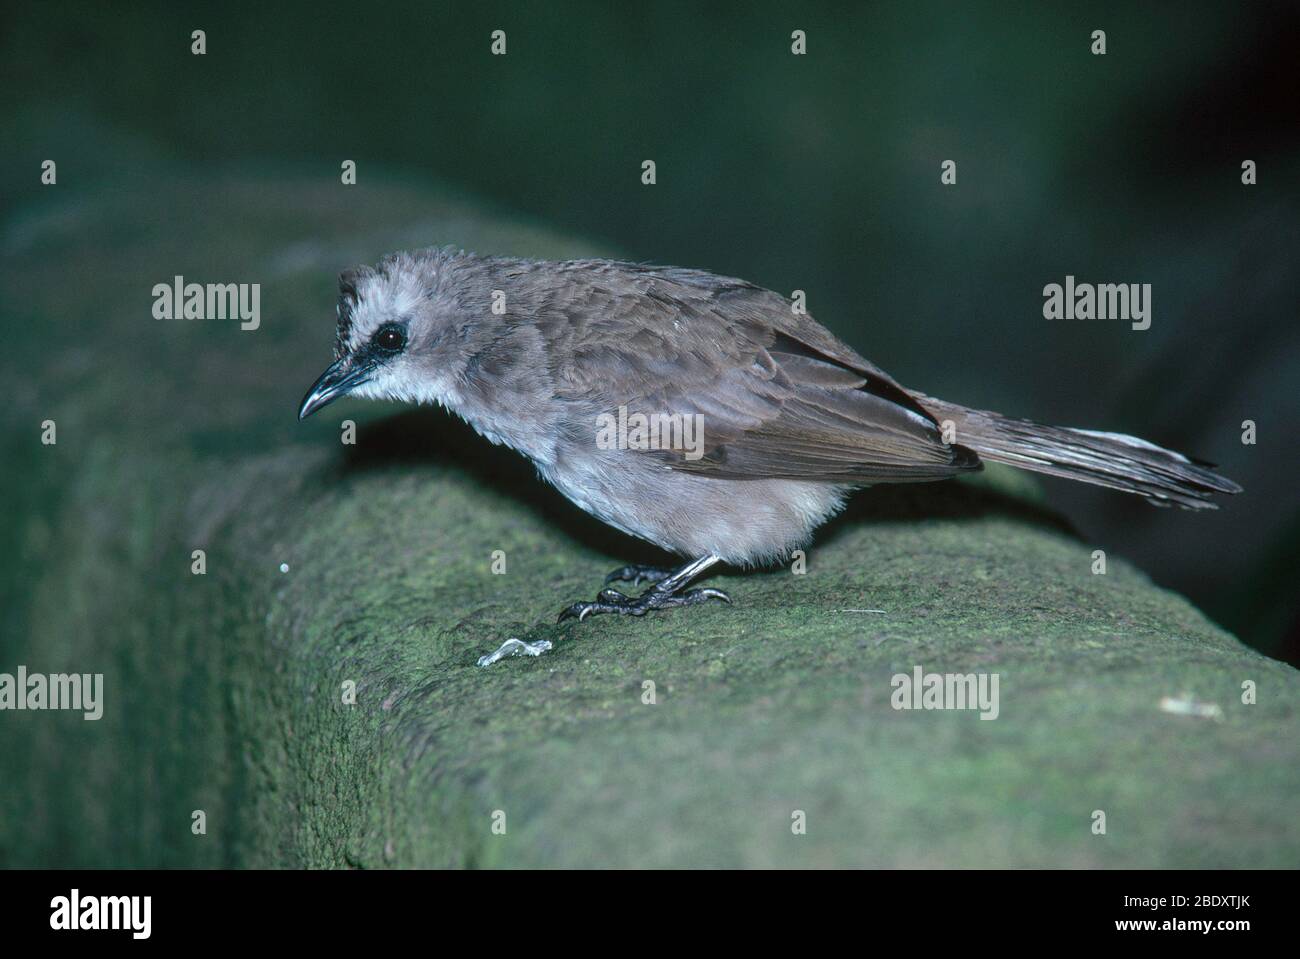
{"x": 636, "y": 575}
{"x": 612, "y": 601}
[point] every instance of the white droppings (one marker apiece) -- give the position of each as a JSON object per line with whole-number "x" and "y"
{"x": 1185, "y": 705}
{"x": 516, "y": 647}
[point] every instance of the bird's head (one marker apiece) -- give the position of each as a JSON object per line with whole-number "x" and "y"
{"x": 402, "y": 329}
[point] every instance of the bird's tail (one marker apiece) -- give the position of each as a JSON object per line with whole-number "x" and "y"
{"x": 1105, "y": 459}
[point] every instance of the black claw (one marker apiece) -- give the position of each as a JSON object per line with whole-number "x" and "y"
{"x": 571, "y": 612}
{"x": 636, "y": 575}
{"x": 700, "y": 595}
{"x": 612, "y": 601}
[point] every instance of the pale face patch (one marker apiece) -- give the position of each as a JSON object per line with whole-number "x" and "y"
{"x": 379, "y": 299}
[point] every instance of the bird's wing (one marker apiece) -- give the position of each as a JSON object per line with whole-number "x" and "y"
{"x": 776, "y": 395}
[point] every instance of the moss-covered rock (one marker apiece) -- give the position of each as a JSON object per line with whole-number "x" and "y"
{"x": 225, "y": 692}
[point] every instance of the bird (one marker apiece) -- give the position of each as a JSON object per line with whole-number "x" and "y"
{"x": 704, "y": 414}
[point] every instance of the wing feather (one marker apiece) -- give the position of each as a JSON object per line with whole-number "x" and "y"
{"x": 777, "y": 395}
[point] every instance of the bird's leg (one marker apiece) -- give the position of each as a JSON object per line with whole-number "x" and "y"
{"x": 665, "y": 594}
{"x": 636, "y": 575}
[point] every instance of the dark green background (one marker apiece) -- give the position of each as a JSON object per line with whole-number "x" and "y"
{"x": 818, "y": 172}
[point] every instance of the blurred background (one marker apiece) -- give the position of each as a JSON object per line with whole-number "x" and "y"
{"x": 818, "y": 172}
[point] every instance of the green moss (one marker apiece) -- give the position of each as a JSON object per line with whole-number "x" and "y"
{"x": 224, "y": 691}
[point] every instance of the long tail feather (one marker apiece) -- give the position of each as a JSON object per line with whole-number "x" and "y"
{"x": 1113, "y": 460}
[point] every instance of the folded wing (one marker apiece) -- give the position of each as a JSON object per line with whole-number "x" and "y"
{"x": 775, "y": 394}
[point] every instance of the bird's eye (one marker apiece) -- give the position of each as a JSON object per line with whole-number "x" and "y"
{"x": 390, "y": 339}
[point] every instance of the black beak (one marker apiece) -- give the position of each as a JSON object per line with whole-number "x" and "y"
{"x": 338, "y": 380}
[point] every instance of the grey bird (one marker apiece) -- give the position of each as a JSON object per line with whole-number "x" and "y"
{"x": 761, "y": 422}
